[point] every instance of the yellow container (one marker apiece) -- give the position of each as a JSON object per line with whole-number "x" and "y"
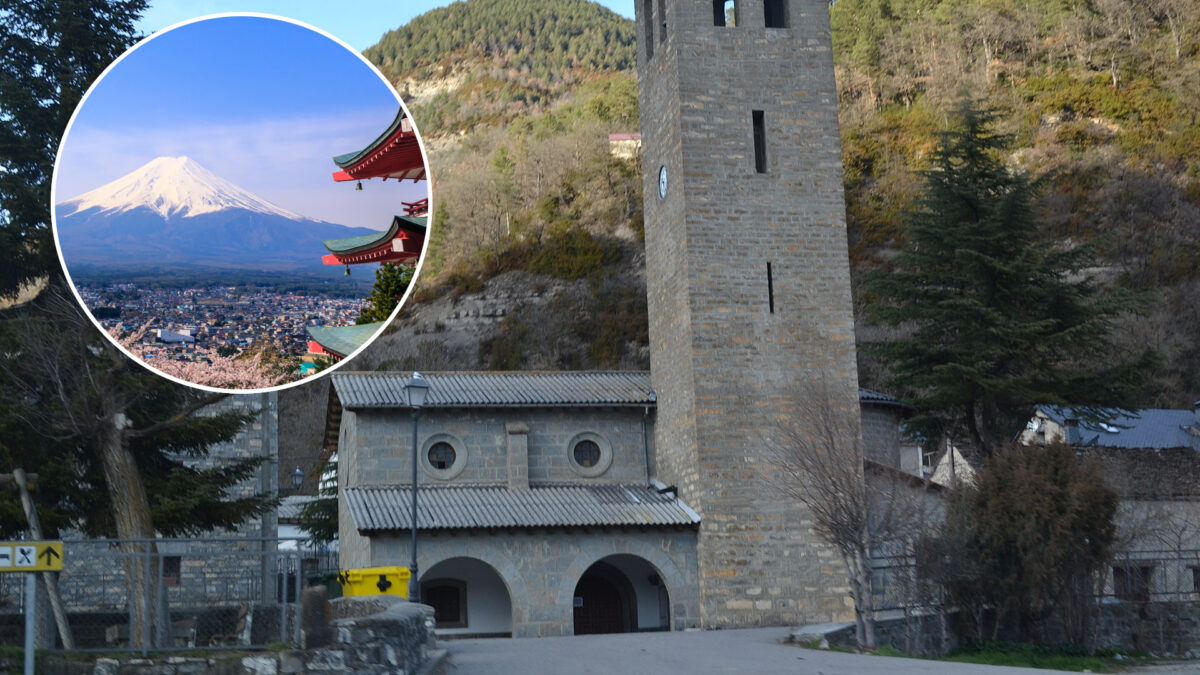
{"x": 375, "y": 581}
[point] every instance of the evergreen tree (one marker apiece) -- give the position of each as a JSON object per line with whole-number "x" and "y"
{"x": 1028, "y": 541}
{"x": 319, "y": 517}
{"x": 993, "y": 318}
{"x": 110, "y": 440}
{"x": 53, "y": 50}
{"x": 391, "y": 281}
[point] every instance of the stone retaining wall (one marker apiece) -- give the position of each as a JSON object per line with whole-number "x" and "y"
{"x": 379, "y": 635}
{"x": 1159, "y": 628}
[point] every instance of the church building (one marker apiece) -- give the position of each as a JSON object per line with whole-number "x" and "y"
{"x": 567, "y": 503}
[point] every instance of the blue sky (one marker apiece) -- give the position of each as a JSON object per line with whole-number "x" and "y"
{"x": 359, "y": 23}
{"x": 261, "y": 102}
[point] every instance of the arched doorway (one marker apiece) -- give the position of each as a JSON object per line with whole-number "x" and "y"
{"x": 468, "y": 597}
{"x": 620, "y": 594}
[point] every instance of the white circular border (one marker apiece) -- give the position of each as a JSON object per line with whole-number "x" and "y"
{"x": 429, "y": 223}
{"x": 461, "y": 455}
{"x": 602, "y": 464}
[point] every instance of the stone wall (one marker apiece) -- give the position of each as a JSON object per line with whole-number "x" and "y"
{"x": 395, "y": 640}
{"x": 927, "y": 635}
{"x": 1159, "y": 628}
{"x": 1165, "y": 629}
{"x": 540, "y": 569}
{"x": 382, "y": 439}
{"x": 748, "y": 288}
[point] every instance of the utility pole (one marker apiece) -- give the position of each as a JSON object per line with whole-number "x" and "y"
{"x": 23, "y": 481}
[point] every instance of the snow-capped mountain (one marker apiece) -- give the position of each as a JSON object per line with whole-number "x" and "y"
{"x": 174, "y": 212}
{"x": 174, "y": 186}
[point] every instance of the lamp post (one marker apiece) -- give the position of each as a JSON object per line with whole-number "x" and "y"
{"x": 297, "y": 479}
{"x": 415, "y": 390}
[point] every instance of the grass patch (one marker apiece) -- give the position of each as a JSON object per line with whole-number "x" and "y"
{"x": 1040, "y": 656}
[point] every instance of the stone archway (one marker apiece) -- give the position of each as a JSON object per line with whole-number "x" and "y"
{"x": 668, "y": 602}
{"x": 469, "y": 597}
{"x": 621, "y": 593}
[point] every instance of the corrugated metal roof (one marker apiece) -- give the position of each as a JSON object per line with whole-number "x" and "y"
{"x": 482, "y": 390}
{"x": 290, "y": 506}
{"x": 388, "y": 508}
{"x": 1146, "y": 428}
{"x": 872, "y": 396}
{"x": 503, "y": 389}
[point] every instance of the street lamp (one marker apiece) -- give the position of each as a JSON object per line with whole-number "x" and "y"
{"x": 297, "y": 478}
{"x": 415, "y": 389}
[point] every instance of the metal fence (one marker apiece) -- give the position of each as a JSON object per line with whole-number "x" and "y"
{"x": 160, "y": 594}
{"x": 1155, "y": 575}
{"x": 1149, "y": 575}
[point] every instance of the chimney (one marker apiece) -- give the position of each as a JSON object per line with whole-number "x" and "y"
{"x": 518, "y": 455}
{"x": 1071, "y": 429}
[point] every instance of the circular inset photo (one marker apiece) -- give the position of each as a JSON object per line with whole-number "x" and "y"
{"x": 223, "y": 208}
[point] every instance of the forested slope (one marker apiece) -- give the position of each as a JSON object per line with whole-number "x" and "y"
{"x": 533, "y": 213}
{"x": 1102, "y": 99}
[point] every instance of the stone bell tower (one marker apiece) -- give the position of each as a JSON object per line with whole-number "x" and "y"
{"x": 748, "y": 281}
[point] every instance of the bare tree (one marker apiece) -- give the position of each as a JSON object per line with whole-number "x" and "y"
{"x": 818, "y": 461}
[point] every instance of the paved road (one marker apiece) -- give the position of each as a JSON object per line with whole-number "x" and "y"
{"x": 758, "y": 650}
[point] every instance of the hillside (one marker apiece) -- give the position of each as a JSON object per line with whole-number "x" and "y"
{"x": 1101, "y": 99}
{"x": 537, "y": 261}
{"x": 484, "y": 62}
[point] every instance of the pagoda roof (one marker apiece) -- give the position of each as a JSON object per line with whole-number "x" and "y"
{"x": 394, "y": 154}
{"x": 414, "y": 225}
{"x": 401, "y": 242}
{"x": 341, "y": 341}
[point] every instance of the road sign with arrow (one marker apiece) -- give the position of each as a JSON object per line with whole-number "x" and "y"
{"x": 31, "y": 556}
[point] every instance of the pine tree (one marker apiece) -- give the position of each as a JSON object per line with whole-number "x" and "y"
{"x": 993, "y": 317}
{"x": 391, "y": 281}
{"x": 53, "y": 50}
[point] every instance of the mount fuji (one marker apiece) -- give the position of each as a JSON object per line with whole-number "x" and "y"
{"x": 174, "y": 212}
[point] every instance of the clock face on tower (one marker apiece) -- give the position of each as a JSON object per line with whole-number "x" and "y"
{"x": 662, "y": 182}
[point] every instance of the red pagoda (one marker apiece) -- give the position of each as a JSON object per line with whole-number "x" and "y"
{"x": 394, "y": 154}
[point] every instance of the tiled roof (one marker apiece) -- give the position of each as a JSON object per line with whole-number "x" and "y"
{"x": 365, "y": 242}
{"x": 376, "y": 509}
{"x": 350, "y": 158}
{"x": 510, "y": 389}
{"x": 1147, "y": 428}
{"x": 482, "y": 390}
{"x": 343, "y": 340}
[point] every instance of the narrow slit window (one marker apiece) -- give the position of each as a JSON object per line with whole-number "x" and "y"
{"x": 760, "y": 142}
{"x": 662, "y": 21}
{"x": 775, "y": 13}
{"x": 648, "y": 12}
{"x": 725, "y": 13}
{"x": 770, "y": 290}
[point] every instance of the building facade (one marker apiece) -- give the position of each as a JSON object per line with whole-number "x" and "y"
{"x": 748, "y": 283}
{"x": 540, "y": 510}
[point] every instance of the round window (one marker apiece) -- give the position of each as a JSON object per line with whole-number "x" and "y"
{"x": 441, "y": 455}
{"x": 589, "y": 454}
{"x": 444, "y": 456}
{"x": 586, "y": 453}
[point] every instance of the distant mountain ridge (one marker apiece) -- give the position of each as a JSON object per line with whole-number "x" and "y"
{"x": 173, "y": 211}
{"x": 174, "y": 186}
